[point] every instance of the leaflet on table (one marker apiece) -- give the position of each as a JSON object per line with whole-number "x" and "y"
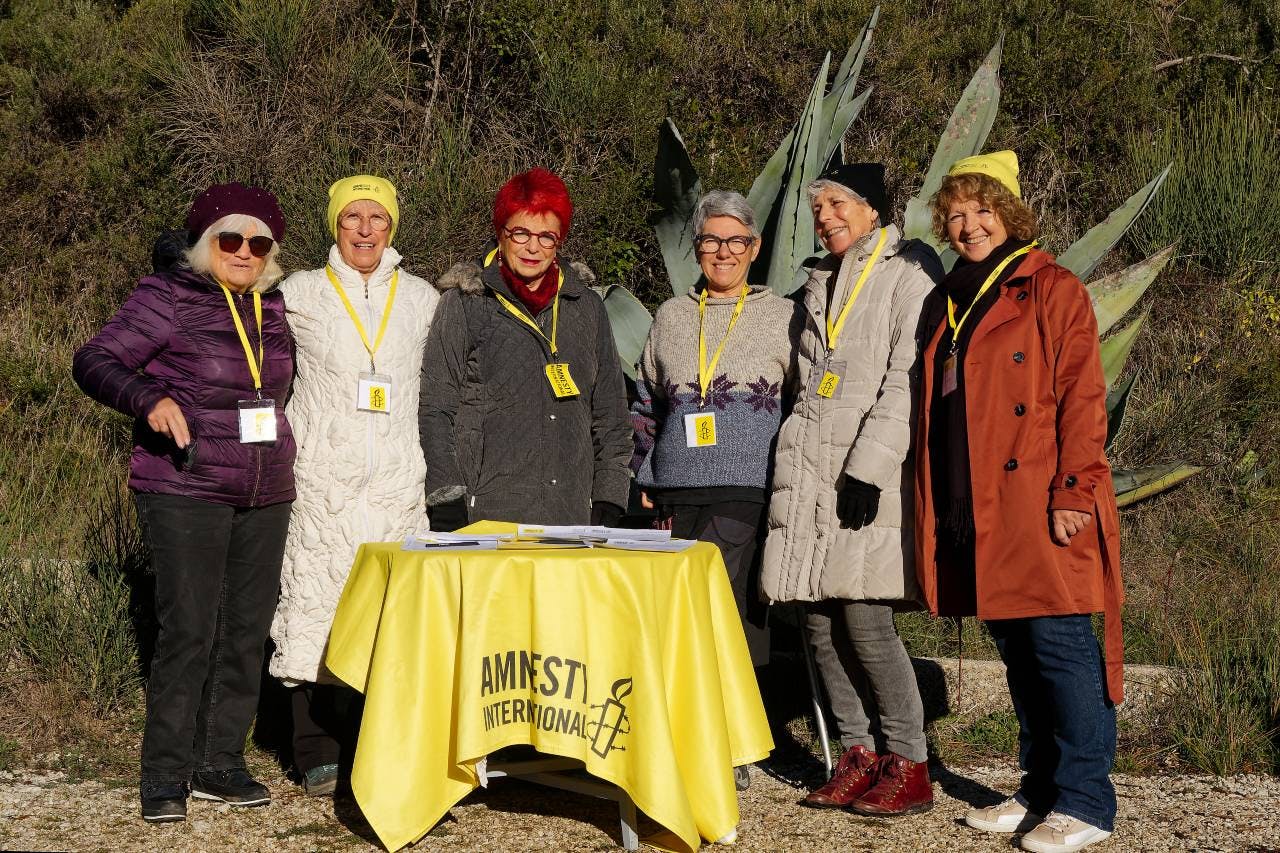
{"x": 672, "y": 545}
{"x": 589, "y": 532}
{"x": 438, "y": 540}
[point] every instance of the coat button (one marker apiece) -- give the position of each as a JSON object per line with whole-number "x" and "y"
{"x": 1022, "y": 295}
{"x": 1019, "y": 410}
{"x": 1070, "y": 481}
{"x": 1011, "y": 465}
{"x": 553, "y": 482}
{"x": 1018, "y": 357}
{"x": 553, "y": 417}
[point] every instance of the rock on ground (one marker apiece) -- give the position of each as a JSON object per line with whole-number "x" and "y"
{"x": 48, "y": 811}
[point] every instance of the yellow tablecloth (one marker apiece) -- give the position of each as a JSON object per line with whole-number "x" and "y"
{"x": 633, "y": 662}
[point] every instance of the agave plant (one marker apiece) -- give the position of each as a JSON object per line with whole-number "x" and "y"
{"x": 776, "y": 195}
{"x": 814, "y": 144}
{"x": 1113, "y": 296}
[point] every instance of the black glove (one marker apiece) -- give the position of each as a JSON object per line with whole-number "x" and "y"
{"x": 605, "y": 513}
{"x": 448, "y": 517}
{"x": 857, "y": 504}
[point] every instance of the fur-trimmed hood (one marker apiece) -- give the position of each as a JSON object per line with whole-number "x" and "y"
{"x": 468, "y": 277}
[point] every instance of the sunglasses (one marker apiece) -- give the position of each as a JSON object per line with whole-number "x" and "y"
{"x": 259, "y": 246}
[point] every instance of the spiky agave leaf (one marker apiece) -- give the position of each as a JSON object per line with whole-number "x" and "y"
{"x": 1115, "y": 349}
{"x": 1083, "y": 256}
{"x": 1115, "y": 294}
{"x": 676, "y": 190}
{"x": 789, "y": 221}
{"x": 630, "y": 322}
{"x": 1134, "y": 485}
{"x": 840, "y": 108}
{"x": 1117, "y": 402}
{"x": 966, "y": 133}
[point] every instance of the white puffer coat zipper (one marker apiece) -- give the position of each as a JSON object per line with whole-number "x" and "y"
{"x": 360, "y": 475}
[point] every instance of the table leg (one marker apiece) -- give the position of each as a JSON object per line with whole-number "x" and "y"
{"x": 551, "y": 771}
{"x": 627, "y": 812}
{"x": 816, "y": 692}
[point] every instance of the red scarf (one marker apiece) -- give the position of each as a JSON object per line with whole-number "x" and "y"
{"x": 534, "y": 300}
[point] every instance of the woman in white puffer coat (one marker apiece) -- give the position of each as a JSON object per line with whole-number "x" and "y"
{"x": 360, "y": 471}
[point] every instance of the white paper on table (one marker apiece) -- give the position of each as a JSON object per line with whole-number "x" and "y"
{"x": 419, "y": 543}
{"x": 670, "y": 545}
{"x": 591, "y": 532}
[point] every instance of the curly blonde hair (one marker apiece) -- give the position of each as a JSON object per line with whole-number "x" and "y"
{"x": 1018, "y": 219}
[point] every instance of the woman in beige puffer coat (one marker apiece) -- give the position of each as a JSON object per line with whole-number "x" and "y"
{"x": 839, "y": 540}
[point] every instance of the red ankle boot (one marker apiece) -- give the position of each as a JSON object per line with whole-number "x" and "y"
{"x": 901, "y": 787}
{"x": 852, "y": 778}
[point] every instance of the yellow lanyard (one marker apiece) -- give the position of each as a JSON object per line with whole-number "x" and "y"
{"x": 255, "y": 366}
{"x": 986, "y": 285}
{"x": 372, "y": 349}
{"x": 525, "y": 318}
{"x": 706, "y": 372}
{"x": 834, "y": 330}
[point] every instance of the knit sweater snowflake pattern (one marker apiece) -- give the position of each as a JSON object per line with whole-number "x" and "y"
{"x": 752, "y": 382}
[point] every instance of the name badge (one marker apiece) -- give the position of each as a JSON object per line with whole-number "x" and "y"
{"x": 700, "y": 429}
{"x": 561, "y": 380}
{"x": 373, "y": 392}
{"x": 827, "y": 379}
{"x": 948, "y": 375}
{"x": 257, "y": 421}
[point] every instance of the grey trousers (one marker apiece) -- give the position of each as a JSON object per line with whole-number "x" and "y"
{"x": 868, "y": 677}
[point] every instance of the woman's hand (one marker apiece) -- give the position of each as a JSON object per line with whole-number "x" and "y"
{"x": 646, "y": 501}
{"x": 1065, "y": 523}
{"x": 166, "y": 418}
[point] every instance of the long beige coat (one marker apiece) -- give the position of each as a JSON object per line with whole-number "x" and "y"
{"x": 864, "y": 432}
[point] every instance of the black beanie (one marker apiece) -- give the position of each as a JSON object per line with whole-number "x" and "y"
{"x": 865, "y": 180}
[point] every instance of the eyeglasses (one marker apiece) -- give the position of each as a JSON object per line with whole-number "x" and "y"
{"x": 378, "y": 221}
{"x": 710, "y": 244}
{"x": 231, "y": 241}
{"x": 520, "y": 236}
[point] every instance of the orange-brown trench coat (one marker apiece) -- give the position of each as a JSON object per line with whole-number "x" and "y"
{"x": 1037, "y": 424}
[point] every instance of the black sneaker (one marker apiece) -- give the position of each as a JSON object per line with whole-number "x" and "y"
{"x": 235, "y": 787}
{"x": 163, "y": 801}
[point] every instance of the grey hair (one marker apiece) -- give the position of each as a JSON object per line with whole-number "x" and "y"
{"x": 725, "y": 203}
{"x": 816, "y": 188}
{"x": 200, "y": 255}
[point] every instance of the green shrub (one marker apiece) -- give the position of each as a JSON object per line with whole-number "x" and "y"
{"x": 1219, "y": 203}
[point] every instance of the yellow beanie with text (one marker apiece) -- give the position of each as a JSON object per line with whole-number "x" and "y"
{"x": 363, "y": 188}
{"x": 1001, "y": 165}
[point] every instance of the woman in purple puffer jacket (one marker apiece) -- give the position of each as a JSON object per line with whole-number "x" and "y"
{"x": 200, "y": 355}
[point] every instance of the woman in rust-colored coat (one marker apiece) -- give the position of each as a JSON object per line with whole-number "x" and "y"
{"x": 1016, "y": 518}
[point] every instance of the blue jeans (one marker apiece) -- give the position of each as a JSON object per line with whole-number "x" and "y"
{"x": 1067, "y": 726}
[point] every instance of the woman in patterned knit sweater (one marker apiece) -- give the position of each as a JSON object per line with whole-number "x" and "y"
{"x": 715, "y": 376}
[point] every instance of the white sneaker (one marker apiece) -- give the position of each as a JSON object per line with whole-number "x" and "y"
{"x": 1009, "y": 816}
{"x": 1062, "y": 834}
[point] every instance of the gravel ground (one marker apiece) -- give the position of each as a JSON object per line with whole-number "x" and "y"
{"x": 48, "y": 811}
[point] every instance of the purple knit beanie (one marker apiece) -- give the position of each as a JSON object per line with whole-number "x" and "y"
{"x": 225, "y": 199}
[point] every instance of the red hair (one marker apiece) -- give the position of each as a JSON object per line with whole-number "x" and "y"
{"x": 536, "y": 191}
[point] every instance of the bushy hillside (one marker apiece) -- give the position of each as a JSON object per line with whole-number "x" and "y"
{"x": 112, "y": 115}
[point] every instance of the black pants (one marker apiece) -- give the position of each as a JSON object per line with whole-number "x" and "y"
{"x": 217, "y": 571}
{"x": 326, "y": 722}
{"x": 734, "y": 527}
